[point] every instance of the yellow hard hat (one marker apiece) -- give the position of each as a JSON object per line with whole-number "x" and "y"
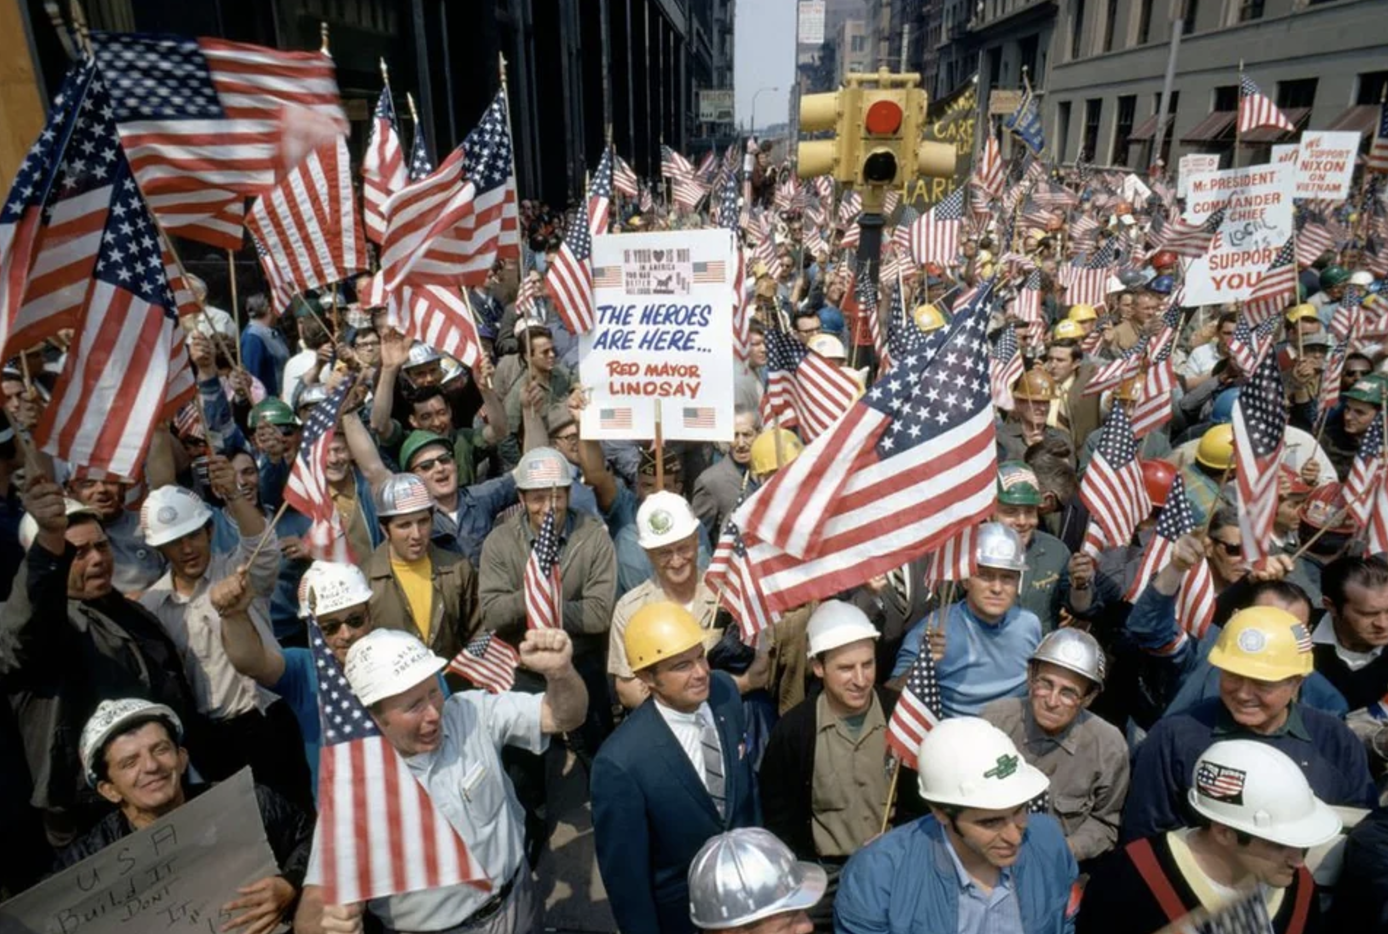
{"x": 1129, "y": 389}
{"x": 928, "y": 317}
{"x": 764, "y": 451}
{"x": 1216, "y": 448}
{"x": 1034, "y": 386}
{"x": 1082, "y": 312}
{"x": 660, "y": 630}
{"x": 1068, "y": 331}
{"x": 1302, "y": 312}
{"x": 1264, "y": 643}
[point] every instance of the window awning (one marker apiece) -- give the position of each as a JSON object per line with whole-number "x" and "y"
{"x": 1361, "y": 119}
{"x": 1216, "y": 127}
{"x": 1272, "y": 134}
{"x": 1147, "y": 129}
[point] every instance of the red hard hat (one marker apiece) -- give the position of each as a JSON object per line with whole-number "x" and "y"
{"x": 1157, "y": 477}
{"x": 1326, "y": 509}
{"x": 934, "y": 269}
{"x": 1163, "y": 259}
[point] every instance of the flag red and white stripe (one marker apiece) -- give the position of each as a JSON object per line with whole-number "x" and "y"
{"x": 488, "y": 662}
{"x": 955, "y": 560}
{"x": 544, "y": 592}
{"x": 382, "y": 166}
{"x": 307, "y": 487}
{"x": 1255, "y": 110}
{"x": 1195, "y": 601}
{"x": 1260, "y": 424}
{"x": 438, "y": 316}
{"x": 1112, "y": 489}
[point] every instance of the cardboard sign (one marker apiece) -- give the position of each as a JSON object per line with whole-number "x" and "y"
{"x": 1325, "y": 164}
{"x": 663, "y": 337}
{"x": 175, "y": 875}
{"x": 1197, "y": 163}
{"x": 1257, "y": 222}
{"x": 1002, "y": 102}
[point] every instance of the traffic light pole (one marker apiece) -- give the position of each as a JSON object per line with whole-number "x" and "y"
{"x": 869, "y": 240}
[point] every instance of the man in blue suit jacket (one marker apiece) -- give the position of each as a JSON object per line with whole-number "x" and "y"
{"x": 674, "y": 774}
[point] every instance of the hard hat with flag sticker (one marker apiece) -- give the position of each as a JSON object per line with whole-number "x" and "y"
{"x": 1264, "y": 643}
{"x": 1255, "y": 788}
{"x": 1017, "y": 485}
{"x": 542, "y": 468}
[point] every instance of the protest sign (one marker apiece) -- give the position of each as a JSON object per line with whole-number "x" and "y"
{"x": 175, "y": 875}
{"x": 1325, "y": 164}
{"x": 952, "y": 121}
{"x": 1135, "y": 190}
{"x": 1257, "y": 222}
{"x": 1197, "y": 163}
{"x": 1285, "y": 153}
{"x": 663, "y": 335}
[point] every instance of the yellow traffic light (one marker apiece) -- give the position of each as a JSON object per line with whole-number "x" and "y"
{"x": 832, "y": 111}
{"x": 882, "y": 125}
{"x": 932, "y": 160}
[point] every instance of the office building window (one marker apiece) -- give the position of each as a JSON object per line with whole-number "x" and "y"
{"x": 1089, "y": 145}
{"x": 859, "y": 43}
{"x": 1110, "y": 21}
{"x": 1026, "y": 52}
{"x": 994, "y": 67}
{"x": 1226, "y": 97}
{"x": 1371, "y": 87}
{"x": 1144, "y": 22}
{"x": 1062, "y": 128}
{"x": 1127, "y": 109}
{"x": 1188, "y": 21}
{"x": 1076, "y": 27}
{"x": 1250, "y": 10}
{"x": 1299, "y": 93}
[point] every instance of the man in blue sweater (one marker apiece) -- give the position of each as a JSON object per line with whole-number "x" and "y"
{"x": 979, "y": 863}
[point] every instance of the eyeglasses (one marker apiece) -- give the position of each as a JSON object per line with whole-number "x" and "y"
{"x": 684, "y": 550}
{"x": 354, "y": 622}
{"x": 1356, "y": 374}
{"x": 426, "y": 466}
{"x": 1232, "y": 549}
{"x": 289, "y": 430}
{"x": 1067, "y": 696}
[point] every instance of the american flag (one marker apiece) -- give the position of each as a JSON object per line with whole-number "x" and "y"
{"x": 816, "y": 391}
{"x": 697, "y": 417}
{"x": 38, "y": 212}
{"x": 1006, "y": 361}
{"x": 1190, "y": 240}
{"x": 890, "y": 202}
{"x": 1053, "y": 197}
{"x": 206, "y": 122}
{"x": 569, "y": 280}
{"x": 955, "y": 560}
{"x": 1220, "y": 782}
{"x": 308, "y": 221}
{"x": 1277, "y": 287}
{"x": 1329, "y": 395}
{"x": 787, "y": 194}
{"x": 452, "y": 226}
{"x": 850, "y": 206}
{"x": 421, "y": 166}
{"x": 687, "y": 192}
{"x": 544, "y": 591}
{"x": 1248, "y": 345}
{"x": 382, "y": 166}
{"x": 624, "y": 179}
{"x": 1195, "y": 603}
{"x": 1377, "y": 159}
{"x": 647, "y": 202}
{"x": 1125, "y": 366}
{"x": 1027, "y": 306}
{"x": 935, "y": 234}
{"x": 918, "y": 710}
{"x": 1260, "y": 422}
{"x": 1087, "y": 283}
{"x": 908, "y": 466}
{"x": 281, "y": 292}
{"x": 988, "y": 176}
{"x": 378, "y": 833}
{"x": 731, "y": 576}
{"x": 673, "y": 165}
{"x": 706, "y": 166}
{"x": 614, "y": 419}
{"x": 1084, "y": 230}
{"x": 1313, "y": 237}
{"x": 1151, "y": 411}
{"x": 307, "y": 487}
{"x": 1112, "y": 489}
{"x": 1256, "y": 110}
{"x": 438, "y": 316}
{"x": 127, "y": 345}
{"x": 1366, "y": 474}
{"x": 531, "y": 290}
{"x": 1160, "y": 374}
{"x": 488, "y": 662}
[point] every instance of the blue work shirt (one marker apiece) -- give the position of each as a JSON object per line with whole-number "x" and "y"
{"x": 983, "y": 661}
{"x": 478, "y": 507}
{"x": 980, "y": 912}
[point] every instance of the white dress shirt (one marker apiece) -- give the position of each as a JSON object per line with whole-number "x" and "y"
{"x": 688, "y": 729}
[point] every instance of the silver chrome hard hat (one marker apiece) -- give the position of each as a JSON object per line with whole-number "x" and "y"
{"x": 400, "y": 494}
{"x": 1000, "y": 547}
{"x": 1074, "y": 650}
{"x": 421, "y": 354}
{"x": 745, "y": 875}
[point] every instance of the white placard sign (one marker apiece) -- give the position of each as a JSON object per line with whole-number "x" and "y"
{"x": 1257, "y": 222}
{"x": 1135, "y": 190}
{"x": 811, "y": 19}
{"x": 664, "y": 334}
{"x": 1197, "y": 163}
{"x": 1285, "y": 153}
{"x": 1325, "y": 164}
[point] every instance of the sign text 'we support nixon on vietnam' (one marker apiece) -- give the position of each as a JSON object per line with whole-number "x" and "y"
{"x": 663, "y": 337}
{"x": 1257, "y": 222}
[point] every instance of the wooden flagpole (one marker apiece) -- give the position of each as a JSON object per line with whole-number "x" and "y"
{"x": 235, "y": 304}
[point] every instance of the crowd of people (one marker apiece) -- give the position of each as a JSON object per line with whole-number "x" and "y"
{"x": 1094, "y": 767}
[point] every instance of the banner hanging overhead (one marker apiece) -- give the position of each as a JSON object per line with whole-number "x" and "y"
{"x": 1257, "y": 222}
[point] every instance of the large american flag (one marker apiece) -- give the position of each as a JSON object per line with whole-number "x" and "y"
{"x": 919, "y": 708}
{"x": 1277, "y": 287}
{"x": 378, "y": 832}
{"x": 1087, "y": 282}
{"x": 1195, "y": 603}
{"x": 569, "y": 280}
{"x": 308, "y": 221}
{"x": 935, "y": 234}
{"x": 382, "y": 166}
{"x": 544, "y": 592}
{"x": 1256, "y": 110}
{"x": 1112, "y": 489}
{"x": 438, "y": 316}
{"x": 732, "y": 577}
{"x": 207, "y": 123}
{"x": 1260, "y": 422}
{"x": 1366, "y": 474}
{"x": 127, "y": 345}
{"x": 1377, "y": 159}
{"x": 1006, "y": 362}
{"x": 307, "y": 487}
{"x": 488, "y": 662}
{"x": 911, "y": 464}
{"x": 816, "y": 391}
{"x": 452, "y": 226}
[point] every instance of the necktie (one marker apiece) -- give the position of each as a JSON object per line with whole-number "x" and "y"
{"x": 713, "y": 764}
{"x": 898, "y": 579}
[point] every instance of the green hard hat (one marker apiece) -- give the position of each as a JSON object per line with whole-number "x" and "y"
{"x": 417, "y": 441}
{"x": 272, "y": 411}
{"x": 1017, "y": 485}
{"x": 1370, "y": 389}
{"x": 1332, "y": 276}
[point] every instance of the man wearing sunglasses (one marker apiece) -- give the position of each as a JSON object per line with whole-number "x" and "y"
{"x": 463, "y": 515}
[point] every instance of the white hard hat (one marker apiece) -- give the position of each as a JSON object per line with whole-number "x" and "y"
{"x": 968, "y": 762}
{"x": 170, "y": 513}
{"x": 835, "y": 623}
{"x": 330, "y": 586}
{"x": 29, "y": 528}
{"x": 1252, "y": 787}
{"x": 542, "y": 468}
{"x": 827, "y": 345}
{"x": 1361, "y": 277}
{"x": 663, "y": 519}
{"x": 386, "y": 662}
{"x": 1000, "y": 547}
{"x": 111, "y": 717}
